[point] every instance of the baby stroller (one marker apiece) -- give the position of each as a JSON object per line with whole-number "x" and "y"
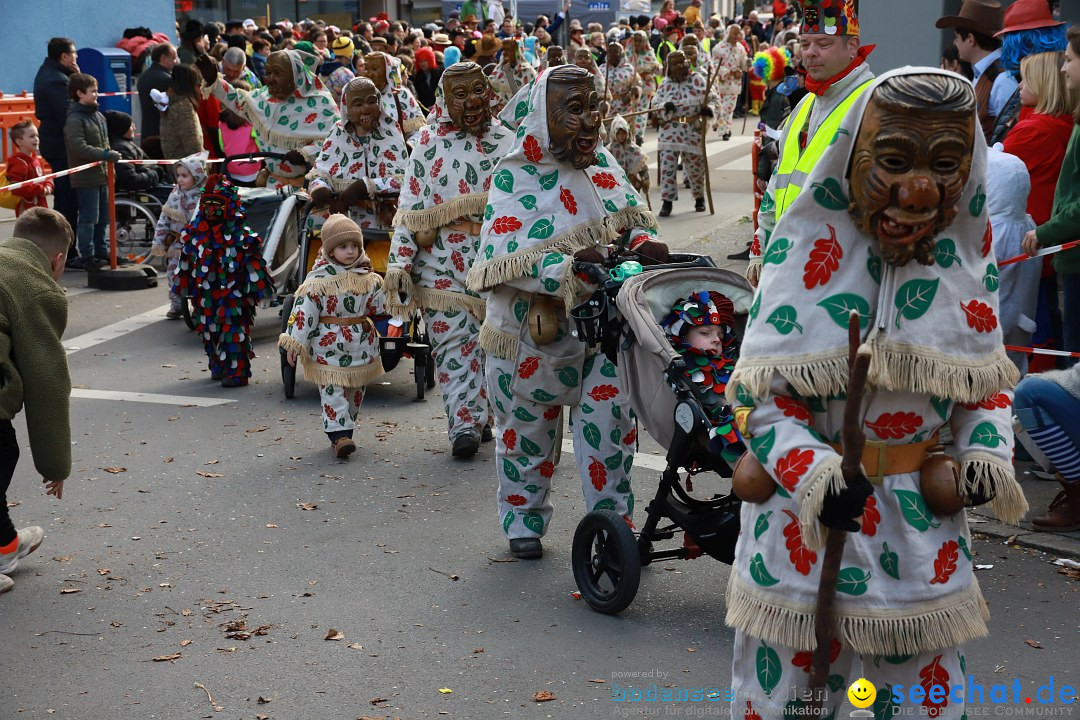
{"x": 623, "y": 316}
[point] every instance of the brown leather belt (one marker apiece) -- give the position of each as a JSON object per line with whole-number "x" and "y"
{"x": 466, "y": 226}
{"x": 880, "y": 459}
{"x": 361, "y": 320}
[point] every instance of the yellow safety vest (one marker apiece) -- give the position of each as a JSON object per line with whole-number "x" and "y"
{"x": 794, "y": 166}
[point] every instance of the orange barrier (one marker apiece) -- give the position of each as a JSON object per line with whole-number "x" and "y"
{"x": 14, "y": 109}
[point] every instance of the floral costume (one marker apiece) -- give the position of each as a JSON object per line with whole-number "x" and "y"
{"x": 300, "y": 123}
{"x": 540, "y": 212}
{"x": 508, "y": 79}
{"x": 648, "y": 69}
{"x": 907, "y": 597}
{"x": 331, "y": 328}
{"x": 709, "y": 373}
{"x": 731, "y": 62}
{"x": 175, "y": 214}
{"x": 629, "y": 156}
{"x": 223, "y": 272}
{"x": 445, "y": 192}
{"x": 378, "y": 159}
{"x": 620, "y": 80}
{"x": 680, "y": 133}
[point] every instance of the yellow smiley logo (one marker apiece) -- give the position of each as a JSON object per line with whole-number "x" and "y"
{"x": 862, "y": 693}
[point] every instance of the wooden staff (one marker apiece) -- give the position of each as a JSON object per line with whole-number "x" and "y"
{"x": 704, "y": 132}
{"x": 851, "y": 465}
{"x": 633, "y": 114}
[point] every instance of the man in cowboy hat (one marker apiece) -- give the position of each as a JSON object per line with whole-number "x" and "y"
{"x": 976, "y": 29}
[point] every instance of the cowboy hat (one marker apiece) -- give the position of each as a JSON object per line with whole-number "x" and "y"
{"x": 1028, "y": 15}
{"x": 440, "y": 39}
{"x": 982, "y": 16}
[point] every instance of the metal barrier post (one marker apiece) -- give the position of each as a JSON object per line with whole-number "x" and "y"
{"x": 111, "y": 175}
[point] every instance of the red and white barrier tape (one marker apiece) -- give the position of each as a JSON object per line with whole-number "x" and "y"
{"x": 1042, "y": 351}
{"x": 50, "y": 176}
{"x": 1042, "y": 253}
{"x": 116, "y": 94}
{"x": 209, "y": 161}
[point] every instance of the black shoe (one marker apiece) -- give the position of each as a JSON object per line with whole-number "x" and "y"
{"x": 686, "y": 184}
{"x": 526, "y": 548}
{"x": 74, "y": 262}
{"x": 699, "y": 205}
{"x": 486, "y": 434}
{"x": 465, "y": 446}
{"x": 726, "y": 137}
{"x": 741, "y": 255}
{"x": 215, "y": 375}
{"x": 665, "y": 208}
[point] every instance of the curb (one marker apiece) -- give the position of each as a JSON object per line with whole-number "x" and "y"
{"x": 1061, "y": 545}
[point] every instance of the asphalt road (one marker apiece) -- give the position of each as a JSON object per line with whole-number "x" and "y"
{"x": 226, "y": 538}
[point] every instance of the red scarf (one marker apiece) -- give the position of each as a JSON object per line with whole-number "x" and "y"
{"x": 819, "y": 88}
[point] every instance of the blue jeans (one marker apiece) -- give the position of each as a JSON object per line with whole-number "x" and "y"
{"x": 93, "y": 219}
{"x": 1038, "y": 403}
{"x": 1070, "y": 317}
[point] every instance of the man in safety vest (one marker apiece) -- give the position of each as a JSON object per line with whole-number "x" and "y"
{"x": 836, "y": 74}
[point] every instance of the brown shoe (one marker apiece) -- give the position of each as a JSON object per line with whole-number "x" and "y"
{"x": 344, "y": 447}
{"x": 1064, "y": 512}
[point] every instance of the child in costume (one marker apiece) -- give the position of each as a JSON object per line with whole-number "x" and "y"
{"x": 178, "y": 209}
{"x": 332, "y": 330}
{"x": 222, "y": 269}
{"x": 629, "y": 156}
{"x": 700, "y": 329}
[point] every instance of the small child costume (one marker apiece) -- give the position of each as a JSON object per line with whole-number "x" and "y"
{"x": 710, "y": 373}
{"x": 331, "y": 327}
{"x": 629, "y": 155}
{"x": 222, "y": 269}
{"x": 176, "y": 213}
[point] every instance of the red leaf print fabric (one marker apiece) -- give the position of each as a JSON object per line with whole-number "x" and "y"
{"x": 980, "y": 316}
{"x": 547, "y": 469}
{"x": 509, "y": 439}
{"x": 800, "y": 556}
{"x": 794, "y": 409}
{"x": 988, "y": 240}
{"x": 934, "y": 673}
{"x": 999, "y": 401}
{"x": 533, "y": 153}
{"x": 552, "y": 412}
{"x": 458, "y": 260}
{"x": 871, "y": 517}
{"x": 440, "y": 326}
{"x": 505, "y": 224}
{"x": 895, "y": 426}
{"x": 414, "y": 186}
{"x": 328, "y": 339}
{"x": 805, "y": 658}
{"x": 443, "y": 284}
{"x": 568, "y": 201}
{"x": 631, "y": 437}
{"x": 329, "y": 412}
{"x": 600, "y": 393}
{"x": 516, "y": 500}
{"x": 755, "y": 247}
{"x": 945, "y": 564}
{"x": 604, "y": 180}
{"x": 331, "y": 303}
{"x": 791, "y": 468}
{"x": 824, "y": 260}
{"x": 463, "y": 187}
{"x": 527, "y": 367}
{"x": 436, "y": 169}
{"x": 455, "y": 237}
{"x": 597, "y": 473}
{"x": 751, "y": 714}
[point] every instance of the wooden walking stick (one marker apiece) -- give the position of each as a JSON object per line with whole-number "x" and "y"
{"x": 854, "y": 440}
{"x": 704, "y": 132}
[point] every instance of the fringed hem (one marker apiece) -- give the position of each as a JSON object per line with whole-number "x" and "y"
{"x": 397, "y": 281}
{"x": 355, "y": 376}
{"x": 500, "y": 344}
{"x": 901, "y": 368}
{"x": 349, "y": 282}
{"x": 810, "y": 495}
{"x": 290, "y": 344}
{"x": 336, "y": 184}
{"x": 500, "y": 270}
{"x": 923, "y": 627}
{"x": 446, "y": 301}
{"x": 436, "y": 216}
{"x": 992, "y": 476}
{"x": 290, "y": 142}
{"x": 174, "y": 214}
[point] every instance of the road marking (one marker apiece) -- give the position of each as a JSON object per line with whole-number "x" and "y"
{"x": 73, "y": 291}
{"x": 181, "y": 400}
{"x": 649, "y": 462}
{"x": 114, "y": 331}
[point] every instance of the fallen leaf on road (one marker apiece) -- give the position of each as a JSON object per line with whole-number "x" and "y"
{"x": 62, "y": 558}
{"x": 103, "y": 571}
{"x": 598, "y": 680}
{"x": 333, "y": 634}
{"x": 186, "y": 612}
{"x": 209, "y": 474}
{"x": 212, "y": 462}
{"x": 377, "y": 700}
{"x": 168, "y": 365}
{"x": 355, "y": 646}
{"x": 259, "y": 429}
{"x": 262, "y": 700}
{"x": 1033, "y": 643}
{"x": 115, "y": 470}
{"x": 165, "y": 585}
{"x": 70, "y": 591}
{"x": 261, "y": 716}
{"x": 690, "y": 650}
{"x": 445, "y": 691}
{"x": 271, "y": 525}
{"x": 167, "y": 460}
{"x": 543, "y": 696}
{"x": 168, "y": 658}
{"x": 185, "y": 643}
{"x": 477, "y": 651}
{"x": 307, "y": 506}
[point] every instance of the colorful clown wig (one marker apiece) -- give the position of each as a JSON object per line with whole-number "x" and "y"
{"x": 769, "y": 64}
{"x": 1015, "y": 46}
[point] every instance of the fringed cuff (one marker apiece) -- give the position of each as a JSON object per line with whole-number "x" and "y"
{"x": 395, "y": 282}
{"x": 448, "y": 301}
{"x": 353, "y": 377}
{"x": 436, "y": 216}
{"x": 498, "y": 343}
{"x": 288, "y": 343}
{"x": 346, "y": 283}
{"x": 986, "y": 475}
{"x": 810, "y": 495}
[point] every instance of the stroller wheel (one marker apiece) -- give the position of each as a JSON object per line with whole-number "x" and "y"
{"x": 189, "y": 317}
{"x": 288, "y": 372}
{"x": 607, "y": 567}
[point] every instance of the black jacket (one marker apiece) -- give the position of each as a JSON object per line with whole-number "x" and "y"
{"x": 154, "y": 77}
{"x": 133, "y": 177}
{"x": 426, "y": 83}
{"x": 50, "y": 107}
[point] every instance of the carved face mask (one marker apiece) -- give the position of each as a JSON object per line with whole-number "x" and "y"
{"x": 465, "y": 93}
{"x": 555, "y": 56}
{"x": 213, "y": 210}
{"x": 678, "y": 68}
{"x": 573, "y": 116}
{"x": 362, "y": 105}
{"x": 583, "y": 59}
{"x": 690, "y": 51}
{"x": 908, "y": 172}
{"x": 614, "y": 54}
{"x": 279, "y": 76}
{"x": 509, "y": 52}
{"x": 375, "y": 70}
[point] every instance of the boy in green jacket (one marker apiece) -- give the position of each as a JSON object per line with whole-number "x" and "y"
{"x": 33, "y": 367}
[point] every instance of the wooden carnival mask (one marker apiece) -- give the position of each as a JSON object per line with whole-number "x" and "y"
{"x": 509, "y": 51}
{"x": 362, "y": 106}
{"x": 375, "y": 69}
{"x": 573, "y": 116}
{"x": 465, "y": 91}
{"x": 678, "y": 67}
{"x": 911, "y": 161}
{"x": 689, "y": 49}
{"x": 556, "y": 56}
{"x": 614, "y": 54}
{"x": 279, "y": 76}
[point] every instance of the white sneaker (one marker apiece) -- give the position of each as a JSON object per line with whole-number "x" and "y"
{"x": 29, "y": 540}
{"x": 6, "y": 584}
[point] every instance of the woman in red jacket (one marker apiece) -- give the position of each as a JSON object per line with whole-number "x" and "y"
{"x": 1040, "y": 138}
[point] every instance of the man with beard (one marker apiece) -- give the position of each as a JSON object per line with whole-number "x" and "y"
{"x": 397, "y": 102}
{"x": 895, "y": 230}
{"x": 643, "y": 58}
{"x": 437, "y": 237}
{"x": 291, "y": 114}
{"x": 621, "y": 80}
{"x": 836, "y": 74}
{"x": 512, "y": 74}
{"x": 685, "y": 112}
{"x": 556, "y": 196}
{"x": 361, "y": 164}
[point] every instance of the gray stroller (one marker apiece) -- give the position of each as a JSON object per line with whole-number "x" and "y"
{"x": 623, "y": 318}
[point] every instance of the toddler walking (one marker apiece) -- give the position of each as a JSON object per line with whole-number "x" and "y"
{"x": 332, "y": 328}
{"x": 175, "y": 214}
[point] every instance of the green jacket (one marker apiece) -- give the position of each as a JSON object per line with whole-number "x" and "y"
{"x": 33, "y": 363}
{"x": 87, "y": 140}
{"x": 1064, "y": 222}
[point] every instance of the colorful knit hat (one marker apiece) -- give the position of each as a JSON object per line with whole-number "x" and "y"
{"x": 830, "y": 17}
{"x": 343, "y": 47}
{"x": 701, "y": 308}
{"x": 769, "y": 64}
